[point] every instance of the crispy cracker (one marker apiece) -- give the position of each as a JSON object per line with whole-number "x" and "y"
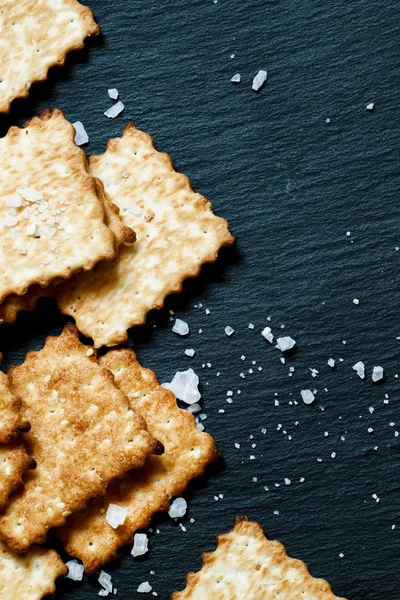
{"x": 13, "y": 304}
{"x": 83, "y": 434}
{"x": 31, "y": 577}
{"x": 11, "y": 423}
{"x": 70, "y": 232}
{"x": 14, "y": 461}
{"x": 36, "y": 35}
{"x": 248, "y": 566}
{"x": 143, "y": 492}
{"x": 176, "y": 233}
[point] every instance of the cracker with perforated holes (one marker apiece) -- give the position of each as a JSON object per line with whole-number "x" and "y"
{"x": 176, "y": 233}
{"x": 30, "y": 577}
{"x": 83, "y": 435}
{"x": 13, "y": 304}
{"x": 52, "y": 223}
{"x": 248, "y": 566}
{"x": 11, "y": 423}
{"x": 34, "y": 36}
{"x": 187, "y": 451}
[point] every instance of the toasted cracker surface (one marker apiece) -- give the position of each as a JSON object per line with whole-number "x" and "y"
{"x": 14, "y": 461}
{"x": 61, "y": 228}
{"x": 83, "y": 435}
{"x": 36, "y": 35}
{"x": 248, "y": 566}
{"x": 143, "y": 492}
{"x": 13, "y": 304}
{"x": 176, "y": 233}
{"x": 31, "y": 577}
{"x": 10, "y": 417}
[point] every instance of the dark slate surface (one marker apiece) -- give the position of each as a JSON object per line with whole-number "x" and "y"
{"x": 291, "y": 186}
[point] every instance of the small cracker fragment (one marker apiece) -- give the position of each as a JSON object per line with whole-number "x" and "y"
{"x": 187, "y": 451}
{"x": 36, "y": 35}
{"x": 177, "y": 233}
{"x": 14, "y": 461}
{"x": 248, "y": 566}
{"x": 83, "y": 435}
{"x": 10, "y": 417}
{"x": 31, "y": 577}
{"x": 52, "y": 223}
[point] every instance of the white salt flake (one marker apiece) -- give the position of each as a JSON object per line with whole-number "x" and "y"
{"x": 229, "y": 330}
{"x": 31, "y": 194}
{"x": 307, "y": 396}
{"x": 331, "y": 362}
{"x": 177, "y": 508}
{"x": 140, "y": 544}
{"x": 144, "y": 588}
{"x": 259, "y": 80}
{"x": 377, "y": 374}
{"x": 236, "y": 78}
{"x": 81, "y": 137}
{"x": 370, "y": 106}
{"x": 116, "y": 515}
{"x": 114, "y": 110}
{"x": 75, "y": 570}
{"x": 356, "y": 301}
{"x": 14, "y": 201}
{"x": 105, "y": 581}
{"x": 113, "y": 93}
{"x": 185, "y": 386}
{"x": 285, "y": 343}
{"x": 180, "y": 327}
{"x": 359, "y": 368}
{"x": 190, "y": 352}
{"x": 267, "y": 334}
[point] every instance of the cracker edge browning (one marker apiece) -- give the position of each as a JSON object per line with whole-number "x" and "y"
{"x": 19, "y": 426}
{"x": 86, "y": 14}
{"x": 22, "y": 462}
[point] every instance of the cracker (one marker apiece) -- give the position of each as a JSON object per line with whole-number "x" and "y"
{"x": 11, "y": 423}
{"x": 31, "y": 577}
{"x": 83, "y": 434}
{"x": 176, "y": 233}
{"x": 248, "y": 566}
{"x": 13, "y": 304}
{"x": 14, "y": 461}
{"x": 36, "y": 35}
{"x": 87, "y": 535}
{"x": 61, "y": 234}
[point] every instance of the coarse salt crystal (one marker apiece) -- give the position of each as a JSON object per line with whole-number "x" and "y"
{"x": 307, "y": 396}
{"x": 75, "y": 570}
{"x": 81, "y": 137}
{"x": 31, "y": 194}
{"x": 190, "y": 352}
{"x": 229, "y": 330}
{"x": 140, "y": 544}
{"x": 144, "y": 588}
{"x": 105, "y": 581}
{"x": 185, "y": 386}
{"x": 259, "y": 80}
{"x": 236, "y": 78}
{"x": 377, "y": 374}
{"x": 180, "y": 327}
{"x": 359, "y": 368}
{"x": 114, "y": 110}
{"x": 267, "y": 334}
{"x": 285, "y": 343}
{"x": 356, "y": 301}
{"x": 14, "y": 201}
{"x": 113, "y": 93}
{"x": 116, "y": 515}
{"x": 177, "y": 508}
{"x": 331, "y": 362}
{"x": 370, "y": 106}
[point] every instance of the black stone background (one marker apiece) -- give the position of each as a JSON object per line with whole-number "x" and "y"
{"x": 291, "y": 186}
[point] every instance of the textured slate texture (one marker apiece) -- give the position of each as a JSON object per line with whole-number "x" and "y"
{"x": 291, "y": 186}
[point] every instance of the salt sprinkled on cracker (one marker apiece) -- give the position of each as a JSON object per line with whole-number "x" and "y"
{"x": 83, "y": 434}
{"x": 11, "y": 423}
{"x": 116, "y": 515}
{"x": 247, "y": 565}
{"x": 142, "y": 492}
{"x": 75, "y": 570}
{"x": 185, "y": 386}
{"x": 81, "y": 137}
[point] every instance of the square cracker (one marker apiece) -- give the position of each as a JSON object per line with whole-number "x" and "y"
{"x": 13, "y": 304}
{"x": 248, "y": 566}
{"x": 62, "y": 231}
{"x": 87, "y": 535}
{"x": 176, "y": 233}
{"x": 31, "y": 577}
{"x": 83, "y": 434}
{"x": 34, "y": 36}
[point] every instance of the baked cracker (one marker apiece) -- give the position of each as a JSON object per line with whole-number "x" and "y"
{"x": 31, "y": 577}
{"x": 176, "y": 233}
{"x": 248, "y": 566}
{"x": 13, "y": 304}
{"x": 143, "y": 492}
{"x": 11, "y": 423}
{"x": 14, "y": 461}
{"x": 83, "y": 435}
{"x": 69, "y": 232}
{"x": 36, "y": 35}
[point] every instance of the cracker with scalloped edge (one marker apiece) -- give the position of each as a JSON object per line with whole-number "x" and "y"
{"x": 13, "y": 304}
{"x": 83, "y": 435}
{"x": 34, "y": 36}
{"x": 248, "y": 566}
{"x": 176, "y": 233}
{"x": 30, "y": 577}
{"x": 187, "y": 451}
{"x": 11, "y": 423}
{"x": 52, "y": 223}
{"x": 14, "y": 461}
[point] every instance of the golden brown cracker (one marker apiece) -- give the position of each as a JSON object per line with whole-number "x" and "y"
{"x": 11, "y": 423}
{"x": 52, "y": 223}
{"x": 14, "y": 461}
{"x": 30, "y": 577}
{"x": 176, "y": 231}
{"x": 83, "y": 435}
{"x": 187, "y": 451}
{"x": 36, "y": 35}
{"x": 248, "y": 566}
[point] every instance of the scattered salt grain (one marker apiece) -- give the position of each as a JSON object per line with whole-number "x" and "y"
{"x": 116, "y": 515}
{"x": 236, "y": 78}
{"x": 140, "y": 544}
{"x": 113, "y": 93}
{"x": 81, "y": 137}
{"x": 359, "y": 368}
{"x": 185, "y": 386}
{"x": 377, "y": 374}
{"x": 287, "y": 481}
{"x": 259, "y": 80}
{"x": 356, "y": 301}
{"x": 31, "y": 195}
{"x": 194, "y": 408}
{"x": 190, "y": 352}
{"x": 229, "y": 331}
{"x": 285, "y": 343}
{"x": 105, "y": 581}
{"x": 14, "y": 201}
{"x": 307, "y": 396}
{"x": 114, "y": 110}
{"x": 180, "y": 327}
{"x": 370, "y": 106}
{"x": 267, "y": 334}
{"x": 75, "y": 570}
{"x": 177, "y": 508}
{"x": 250, "y": 326}
{"x": 341, "y": 555}
{"x": 331, "y": 362}
{"x": 144, "y": 588}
